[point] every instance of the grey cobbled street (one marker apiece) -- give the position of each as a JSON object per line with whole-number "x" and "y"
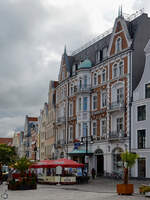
{"x": 99, "y": 189}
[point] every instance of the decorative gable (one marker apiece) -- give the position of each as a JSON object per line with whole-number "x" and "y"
{"x": 120, "y": 38}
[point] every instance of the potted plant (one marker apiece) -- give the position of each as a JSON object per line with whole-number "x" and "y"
{"x": 24, "y": 180}
{"x": 128, "y": 159}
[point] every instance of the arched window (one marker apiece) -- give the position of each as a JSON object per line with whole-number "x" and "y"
{"x": 116, "y": 158}
{"x": 121, "y": 68}
{"x": 118, "y": 45}
{"x": 115, "y": 71}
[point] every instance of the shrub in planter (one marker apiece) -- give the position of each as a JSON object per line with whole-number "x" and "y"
{"x": 128, "y": 159}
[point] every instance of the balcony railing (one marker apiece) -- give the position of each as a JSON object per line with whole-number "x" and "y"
{"x": 83, "y": 89}
{"x": 85, "y": 115}
{"x": 117, "y": 135}
{"x": 117, "y": 106}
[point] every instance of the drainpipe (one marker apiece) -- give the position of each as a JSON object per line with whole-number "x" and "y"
{"x": 130, "y": 97}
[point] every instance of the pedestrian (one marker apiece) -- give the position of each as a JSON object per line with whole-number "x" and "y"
{"x": 93, "y": 173}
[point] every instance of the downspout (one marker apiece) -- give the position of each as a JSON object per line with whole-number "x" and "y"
{"x": 130, "y": 97}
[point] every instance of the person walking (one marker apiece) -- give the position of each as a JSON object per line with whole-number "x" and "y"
{"x": 93, "y": 172}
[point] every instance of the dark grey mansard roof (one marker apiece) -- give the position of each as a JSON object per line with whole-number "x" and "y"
{"x": 139, "y": 30}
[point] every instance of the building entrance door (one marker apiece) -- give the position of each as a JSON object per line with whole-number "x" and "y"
{"x": 141, "y": 167}
{"x": 100, "y": 162}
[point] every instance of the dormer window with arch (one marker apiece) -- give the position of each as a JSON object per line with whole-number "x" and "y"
{"x": 121, "y": 68}
{"x": 118, "y": 45}
{"x": 97, "y": 56}
{"x": 104, "y": 52}
{"x": 115, "y": 71}
{"x": 103, "y": 75}
{"x": 95, "y": 79}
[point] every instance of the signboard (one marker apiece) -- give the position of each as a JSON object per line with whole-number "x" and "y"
{"x": 58, "y": 170}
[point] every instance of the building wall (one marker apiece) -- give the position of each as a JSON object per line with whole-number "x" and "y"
{"x": 139, "y": 100}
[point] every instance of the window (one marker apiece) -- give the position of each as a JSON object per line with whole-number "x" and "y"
{"x": 85, "y": 103}
{"x": 94, "y": 128}
{"x": 121, "y": 67}
{"x": 71, "y": 109}
{"x": 141, "y": 139}
{"x": 97, "y": 56}
{"x": 71, "y": 134}
{"x": 95, "y": 79}
{"x": 80, "y": 83}
{"x": 120, "y": 95}
{"x": 94, "y": 102}
{"x": 79, "y": 130}
{"x": 79, "y": 104}
{"x": 85, "y": 130}
{"x": 115, "y": 71}
{"x": 85, "y": 81}
{"x": 71, "y": 89}
{"x": 73, "y": 69}
{"x": 104, "y": 75}
{"x": 147, "y": 90}
{"x": 119, "y": 124}
{"x": 103, "y": 127}
{"x": 104, "y": 99}
{"x": 118, "y": 45}
{"x": 141, "y": 113}
{"x": 104, "y": 52}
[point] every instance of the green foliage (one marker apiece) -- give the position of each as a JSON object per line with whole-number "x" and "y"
{"x": 129, "y": 158}
{"x": 7, "y": 154}
{"x": 22, "y": 165}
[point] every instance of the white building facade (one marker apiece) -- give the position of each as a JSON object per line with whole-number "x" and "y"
{"x": 140, "y": 138}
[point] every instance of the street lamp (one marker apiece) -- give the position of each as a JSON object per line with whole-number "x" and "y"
{"x": 85, "y": 140}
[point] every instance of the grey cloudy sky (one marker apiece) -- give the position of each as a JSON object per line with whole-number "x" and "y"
{"x": 32, "y": 38}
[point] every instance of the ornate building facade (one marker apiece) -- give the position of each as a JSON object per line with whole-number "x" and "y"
{"x": 94, "y": 94}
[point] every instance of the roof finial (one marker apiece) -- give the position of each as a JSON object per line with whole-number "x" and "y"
{"x": 120, "y": 11}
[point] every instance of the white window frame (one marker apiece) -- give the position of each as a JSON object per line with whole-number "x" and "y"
{"x": 115, "y": 66}
{"x": 79, "y": 104}
{"x": 120, "y": 130}
{"x": 118, "y": 44}
{"x": 95, "y": 79}
{"x": 121, "y": 68}
{"x": 103, "y": 120}
{"x": 94, "y": 128}
{"x": 71, "y": 134}
{"x": 94, "y": 102}
{"x": 71, "y": 109}
{"x": 103, "y": 92}
{"x": 120, "y": 97}
{"x": 103, "y": 73}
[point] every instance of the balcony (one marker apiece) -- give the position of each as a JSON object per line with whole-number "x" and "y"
{"x": 116, "y": 106}
{"x": 114, "y": 135}
{"x": 83, "y": 116}
{"x": 83, "y": 89}
{"x": 60, "y": 120}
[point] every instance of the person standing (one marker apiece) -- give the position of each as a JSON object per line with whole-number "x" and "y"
{"x": 93, "y": 172}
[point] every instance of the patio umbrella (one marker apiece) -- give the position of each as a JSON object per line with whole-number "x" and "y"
{"x": 63, "y": 162}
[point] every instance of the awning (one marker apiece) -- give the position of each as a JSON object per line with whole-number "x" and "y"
{"x": 54, "y": 163}
{"x": 79, "y": 152}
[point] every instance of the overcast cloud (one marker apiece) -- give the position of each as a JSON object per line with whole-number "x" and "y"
{"x": 32, "y": 38}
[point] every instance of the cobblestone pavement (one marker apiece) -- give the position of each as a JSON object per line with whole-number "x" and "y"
{"x": 99, "y": 189}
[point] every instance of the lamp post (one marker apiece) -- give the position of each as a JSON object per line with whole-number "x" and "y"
{"x": 86, "y": 140}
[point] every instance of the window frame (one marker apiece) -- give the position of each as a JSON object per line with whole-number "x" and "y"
{"x": 103, "y": 73}
{"x": 104, "y": 92}
{"x": 94, "y": 102}
{"x": 85, "y": 97}
{"x": 103, "y": 120}
{"x": 121, "y": 66}
{"x": 94, "y": 128}
{"x": 118, "y": 46}
{"x": 138, "y": 113}
{"x": 143, "y": 145}
{"x": 115, "y": 67}
{"x": 146, "y": 96}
